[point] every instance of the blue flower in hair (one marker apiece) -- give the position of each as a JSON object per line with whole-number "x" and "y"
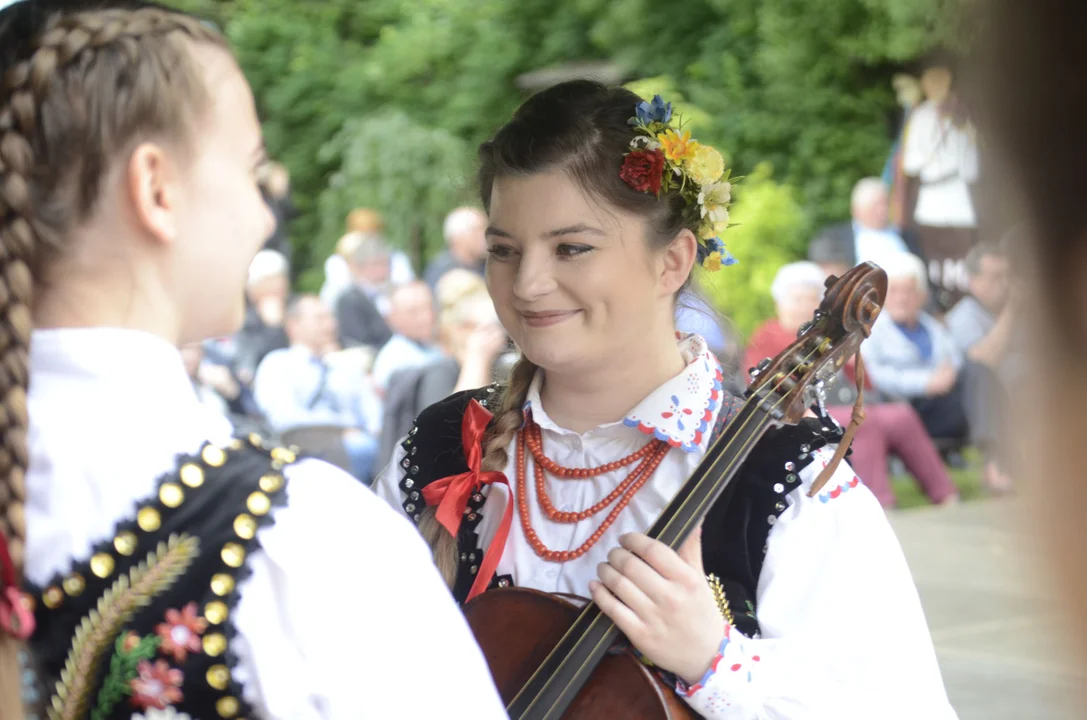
{"x": 712, "y": 255}
{"x": 656, "y": 111}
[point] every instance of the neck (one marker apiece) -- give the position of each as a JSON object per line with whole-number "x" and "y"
{"x": 580, "y": 401}
{"x": 80, "y": 302}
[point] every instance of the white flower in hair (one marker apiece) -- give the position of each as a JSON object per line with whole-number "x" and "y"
{"x": 713, "y": 201}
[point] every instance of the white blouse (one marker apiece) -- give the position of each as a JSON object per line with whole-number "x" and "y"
{"x": 110, "y": 410}
{"x": 842, "y": 630}
{"x": 945, "y": 158}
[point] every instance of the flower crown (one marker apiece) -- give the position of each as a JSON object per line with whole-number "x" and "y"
{"x": 663, "y": 157}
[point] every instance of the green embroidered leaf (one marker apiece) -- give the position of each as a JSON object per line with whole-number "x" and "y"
{"x": 123, "y": 669}
{"x": 162, "y": 567}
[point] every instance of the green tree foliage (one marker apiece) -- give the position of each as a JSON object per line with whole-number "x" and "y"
{"x": 803, "y": 85}
{"x": 380, "y": 158}
{"x": 770, "y": 230}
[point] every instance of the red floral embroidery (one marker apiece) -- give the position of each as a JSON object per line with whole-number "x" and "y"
{"x": 158, "y": 685}
{"x": 643, "y": 170}
{"x": 181, "y": 632}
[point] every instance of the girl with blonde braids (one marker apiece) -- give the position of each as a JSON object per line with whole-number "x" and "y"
{"x": 600, "y": 204}
{"x": 154, "y": 563}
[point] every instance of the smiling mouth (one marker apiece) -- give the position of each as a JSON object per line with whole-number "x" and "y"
{"x": 545, "y": 319}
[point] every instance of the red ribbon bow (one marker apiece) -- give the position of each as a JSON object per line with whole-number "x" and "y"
{"x": 451, "y": 494}
{"x": 15, "y": 617}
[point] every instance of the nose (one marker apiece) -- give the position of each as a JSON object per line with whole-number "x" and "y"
{"x": 535, "y": 276}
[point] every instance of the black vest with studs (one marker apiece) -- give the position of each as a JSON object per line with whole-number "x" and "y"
{"x": 734, "y": 534}
{"x": 145, "y": 621}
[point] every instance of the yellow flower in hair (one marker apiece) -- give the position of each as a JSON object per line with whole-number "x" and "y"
{"x": 710, "y": 229}
{"x": 677, "y": 146}
{"x": 712, "y": 261}
{"x": 706, "y": 166}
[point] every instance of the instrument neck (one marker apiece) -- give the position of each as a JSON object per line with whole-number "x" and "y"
{"x": 556, "y": 683}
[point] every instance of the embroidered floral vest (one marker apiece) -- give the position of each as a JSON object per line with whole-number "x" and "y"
{"x": 734, "y": 534}
{"x": 143, "y": 625}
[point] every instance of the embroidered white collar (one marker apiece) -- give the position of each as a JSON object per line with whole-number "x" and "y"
{"x": 680, "y": 412}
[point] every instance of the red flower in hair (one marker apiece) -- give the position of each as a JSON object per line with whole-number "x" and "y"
{"x": 643, "y": 170}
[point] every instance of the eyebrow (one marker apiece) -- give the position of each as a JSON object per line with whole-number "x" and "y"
{"x": 579, "y": 229}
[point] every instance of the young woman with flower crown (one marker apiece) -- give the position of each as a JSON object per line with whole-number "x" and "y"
{"x": 171, "y": 569}
{"x": 599, "y": 206}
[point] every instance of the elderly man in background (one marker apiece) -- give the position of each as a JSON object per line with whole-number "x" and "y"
{"x": 299, "y": 387}
{"x": 911, "y": 356}
{"x": 267, "y": 291}
{"x": 465, "y": 242}
{"x": 361, "y": 309}
{"x": 868, "y": 236}
{"x": 412, "y": 317}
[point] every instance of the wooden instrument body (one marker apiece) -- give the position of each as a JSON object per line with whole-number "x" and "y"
{"x": 517, "y": 629}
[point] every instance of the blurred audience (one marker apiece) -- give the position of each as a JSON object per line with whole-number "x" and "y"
{"x": 471, "y": 340}
{"x": 360, "y": 221}
{"x": 298, "y": 387}
{"x": 890, "y": 429}
{"x": 411, "y": 318}
{"x": 362, "y": 308}
{"x": 867, "y": 237}
{"x": 985, "y": 324}
{"x": 911, "y": 356}
{"x": 267, "y": 291}
{"x": 465, "y": 245}
{"x": 275, "y": 187}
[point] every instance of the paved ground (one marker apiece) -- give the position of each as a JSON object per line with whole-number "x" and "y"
{"x": 998, "y": 637}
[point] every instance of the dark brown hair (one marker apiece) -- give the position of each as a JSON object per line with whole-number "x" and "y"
{"x": 79, "y": 91}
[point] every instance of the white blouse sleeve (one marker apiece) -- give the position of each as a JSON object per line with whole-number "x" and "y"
{"x": 387, "y": 485}
{"x": 842, "y": 631}
{"x": 345, "y": 615}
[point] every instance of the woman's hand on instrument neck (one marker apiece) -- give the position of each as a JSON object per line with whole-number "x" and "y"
{"x": 662, "y": 602}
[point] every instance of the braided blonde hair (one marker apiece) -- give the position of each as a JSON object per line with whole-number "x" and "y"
{"x": 95, "y": 84}
{"x": 496, "y": 457}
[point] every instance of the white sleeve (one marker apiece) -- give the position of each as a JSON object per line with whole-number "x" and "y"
{"x": 387, "y": 485}
{"x": 919, "y": 143}
{"x": 345, "y": 615}
{"x": 842, "y": 631}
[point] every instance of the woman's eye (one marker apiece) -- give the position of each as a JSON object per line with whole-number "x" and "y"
{"x": 568, "y": 251}
{"x": 500, "y": 252}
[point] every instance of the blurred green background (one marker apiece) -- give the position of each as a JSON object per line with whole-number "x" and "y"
{"x": 382, "y": 103}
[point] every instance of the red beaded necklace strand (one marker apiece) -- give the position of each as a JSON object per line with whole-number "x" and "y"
{"x": 530, "y": 436}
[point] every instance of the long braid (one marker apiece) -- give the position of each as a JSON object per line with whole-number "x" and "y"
{"x": 36, "y": 212}
{"x": 496, "y": 457}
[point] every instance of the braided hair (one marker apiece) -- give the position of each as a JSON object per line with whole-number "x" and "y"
{"x": 80, "y": 88}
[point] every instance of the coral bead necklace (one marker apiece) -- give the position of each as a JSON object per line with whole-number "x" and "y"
{"x": 531, "y": 439}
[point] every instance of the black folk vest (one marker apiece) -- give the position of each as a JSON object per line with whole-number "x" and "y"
{"x": 734, "y": 534}
{"x": 145, "y": 621}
